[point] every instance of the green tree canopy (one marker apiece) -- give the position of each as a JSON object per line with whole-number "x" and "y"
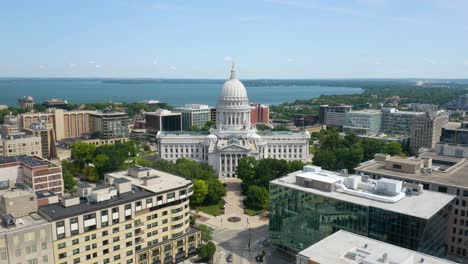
{"x": 200, "y": 190}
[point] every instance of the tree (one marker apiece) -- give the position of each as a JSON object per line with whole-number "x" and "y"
{"x": 207, "y": 251}
{"x": 280, "y": 128}
{"x": 325, "y": 159}
{"x": 393, "y": 149}
{"x": 206, "y": 233}
{"x": 82, "y": 153}
{"x": 146, "y": 148}
{"x": 216, "y": 191}
{"x": 257, "y": 197}
{"x": 200, "y": 190}
{"x": 246, "y": 169}
{"x": 69, "y": 181}
{"x": 100, "y": 163}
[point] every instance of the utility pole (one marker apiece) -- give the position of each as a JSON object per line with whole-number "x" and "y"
{"x": 248, "y": 226}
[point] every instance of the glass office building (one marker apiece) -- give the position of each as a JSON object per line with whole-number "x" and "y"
{"x": 301, "y": 216}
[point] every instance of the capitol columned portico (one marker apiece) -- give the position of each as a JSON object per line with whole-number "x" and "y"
{"x": 233, "y": 136}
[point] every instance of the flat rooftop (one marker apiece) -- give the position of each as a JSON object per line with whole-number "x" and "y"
{"x": 160, "y": 181}
{"x": 29, "y": 221}
{"x": 31, "y": 161}
{"x": 424, "y": 205}
{"x": 451, "y": 171}
{"x": 344, "y": 247}
{"x": 57, "y": 211}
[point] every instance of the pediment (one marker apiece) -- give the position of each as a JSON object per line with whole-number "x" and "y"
{"x": 233, "y": 148}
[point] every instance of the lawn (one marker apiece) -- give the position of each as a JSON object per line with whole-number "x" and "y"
{"x": 215, "y": 209}
{"x": 253, "y": 211}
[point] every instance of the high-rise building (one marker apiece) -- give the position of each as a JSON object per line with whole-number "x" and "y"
{"x": 55, "y": 103}
{"x": 309, "y": 205}
{"x": 26, "y": 102}
{"x": 20, "y": 144}
{"x": 37, "y": 173}
{"x": 66, "y": 124}
{"x": 260, "y": 114}
{"x": 363, "y": 122}
{"x": 435, "y": 172}
{"x": 426, "y": 130}
{"x": 109, "y": 124}
{"x": 396, "y": 122}
{"x": 344, "y": 247}
{"x": 138, "y": 216}
{"x": 194, "y": 115}
{"x": 47, "y": 134}
{"x": 232, "y": 137}
{"x": 334, "y": 115}
{"x": 162, "y": 120}
{"x": 213, "y": 115}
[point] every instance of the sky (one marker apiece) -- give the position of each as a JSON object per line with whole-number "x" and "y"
{"x": 277, "y": 39}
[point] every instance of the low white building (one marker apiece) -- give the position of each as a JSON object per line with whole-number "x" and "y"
{"x": 233, "y": 136}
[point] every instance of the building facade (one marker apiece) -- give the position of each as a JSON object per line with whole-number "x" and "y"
{"x": 194, "y": 115}
{"x": 455, "y": 133}
{"x": 139, "y": 216}
{"x": 26, "y": 102}
{"x": 260, "y": 114}
{"x": 46, "y": 132}
{"x": 55, "y": 103}
{"x": 426, "y": 130}
{"x": 233, "y": 136}
{"x": 396, "y": 122}
{"x": 333, "y": 115}
{"x": 37, "y": 173}
{"x": 438, "y": 173}
{"x": 20, "y": 144}
{"x": 109, "y": 124}
{"x": 364, "y": 122}
{"x": 310, "y": 205}
{"x": 163, "y": 120}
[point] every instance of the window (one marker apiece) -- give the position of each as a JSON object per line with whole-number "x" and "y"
{"x": 61, "y": 245}
{"x": 44, "y": 245}
{"x": 75, "y": 242}
{"x": 442, "y": 189}
{"x": 62, "y": 255}
{"x": 396, "y": 166}
{"x": 115, "y": 230}
{"x": 116, "y": 248}
{"x": 164, "y": 213}
{"x": 105, "y": 233}
{"x": 76, "y": 251}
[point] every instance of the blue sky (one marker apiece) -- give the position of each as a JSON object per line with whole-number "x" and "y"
{"x": 266, "y": 38}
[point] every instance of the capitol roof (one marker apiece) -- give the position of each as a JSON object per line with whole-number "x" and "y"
{"x": 233, "y": 88}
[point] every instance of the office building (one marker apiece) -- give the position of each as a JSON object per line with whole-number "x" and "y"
{"x": 108, "y": 124}
{"x": 260, "y": 114}
{"x": 46, "y": 132}
{"x": 66, "y": 124}
{"x": 37, "y": 173}
{"x": 10, "y": 119}
{"x": 426, "y": 130}
{"x": 396, "y": 122}
{"x": 363, "y": 122}
{"x": 93, "y": 141}
{"x": 194, "y": 115}
{"x": 455, "y": 133}
{"x": 233, "y": 137}
{"x": 55, "y": 103}
{"x": 435, "y": 172}
{"x": 26, "y": 102}
{"x": 20, "y": 144}
{"x": 138, "y": 216}
{"x": 308, "y": 205}
{"x": 8, "y": 130}
{"x": 333, "y": 115}
{"x": 303, "y": 121}
{"x": 344, "y": 247}
{"x": 163, "y": 120}
{"x": 25, "y": 237}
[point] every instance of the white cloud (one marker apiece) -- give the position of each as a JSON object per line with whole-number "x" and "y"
{"x": 172, "y": 68}
{"x": 42, "y": 67}
{"x": 290, "y": 60}
{"x": 72, "y": 65}
{"x": 378, "y": 62}
{"x": 430, "y": 61}
{"x": 91, "y": 62}
{"x": 155, "y": 61}
{"x": 98, "y": 66}
{"x": 465, "y": 61}
{"x": 227, "y": 58}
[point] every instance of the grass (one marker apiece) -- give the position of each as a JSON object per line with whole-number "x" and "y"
{"x": 253, "y": 211}
{"x": 214, "y": 210}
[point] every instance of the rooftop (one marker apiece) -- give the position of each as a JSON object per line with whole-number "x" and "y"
{"x": 25, "y": 222}
{"x": 423, "y": 205}
{"x": 344, "y": 247}
{"x": 445, "y": 170}
{"x": 31, "y": 161}
{"x": 160, "y": 181}
{"x": 57, "y": 211}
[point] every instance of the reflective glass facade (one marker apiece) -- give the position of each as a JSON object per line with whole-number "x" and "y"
{"x": 299, "y": 219}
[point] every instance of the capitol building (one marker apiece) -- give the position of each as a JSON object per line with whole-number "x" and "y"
{"x": 233, "y": 136}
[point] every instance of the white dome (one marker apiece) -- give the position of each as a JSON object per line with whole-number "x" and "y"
{"x": 255, "y": 136}
{"x": 233, "y": 88}
{"x": 211, "y": 136}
